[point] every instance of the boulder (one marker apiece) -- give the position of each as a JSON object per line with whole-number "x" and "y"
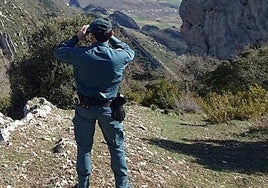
{"x": 34, "y": 111}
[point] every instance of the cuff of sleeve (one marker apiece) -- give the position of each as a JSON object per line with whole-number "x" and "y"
{"x": 113, "y": 38}
{"x": 115, "y": 42}
{"x": 75, "y": 38}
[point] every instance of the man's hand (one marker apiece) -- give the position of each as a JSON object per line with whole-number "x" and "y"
{"x": 111, "y": 34}
{"x": 81, "y": 34}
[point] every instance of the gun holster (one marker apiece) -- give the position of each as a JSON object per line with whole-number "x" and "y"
{"x": 76, "y": 99}
{"x": 117, "y": 107}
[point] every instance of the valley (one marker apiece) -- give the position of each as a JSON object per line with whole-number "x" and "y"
{"x": 163, "y": 14}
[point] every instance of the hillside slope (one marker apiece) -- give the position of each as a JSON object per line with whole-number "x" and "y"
{"x": 166, "y": 151}
{"x": 18, "y": 18}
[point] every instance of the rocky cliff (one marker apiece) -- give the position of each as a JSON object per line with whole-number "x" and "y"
{"x": 222, "y": 28}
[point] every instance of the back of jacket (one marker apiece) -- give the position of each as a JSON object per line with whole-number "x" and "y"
{"x": 98, "y": 69}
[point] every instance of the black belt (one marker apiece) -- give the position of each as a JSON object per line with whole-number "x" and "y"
{"x": 86, "y": 101}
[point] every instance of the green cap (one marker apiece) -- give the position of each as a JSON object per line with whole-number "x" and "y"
{"x": 100, "y": 25}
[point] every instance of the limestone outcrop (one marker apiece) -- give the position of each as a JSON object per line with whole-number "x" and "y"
{"x": 35, "y": 111}
{"x": 222, "y": 28}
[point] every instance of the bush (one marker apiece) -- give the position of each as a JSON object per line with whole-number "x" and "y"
{"x": 4, "y": 104}
{"x": 163, "y": 94}
{"x": 38, "y": 73}
{"x": 153, "y": 107}
{"x": 243, "y": 105}
{"x": 134, "y": 91}
{"x": 249, "y": 68}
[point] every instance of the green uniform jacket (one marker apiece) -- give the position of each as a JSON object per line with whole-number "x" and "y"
{"x": 98, "y": 69}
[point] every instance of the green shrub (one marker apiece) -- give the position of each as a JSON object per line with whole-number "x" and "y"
{"x": 38, "y": 73}
{"x": 163, "y": 94}
{"x": 134, "y": 91}
{"x": 254, "y": 103}
{"x": 243, "y": 105}
{"x": 153, "y": 107}
{"x": 133, "y": 96}
{"x": 4, "y": 104}
{"x": 249, "y": 68}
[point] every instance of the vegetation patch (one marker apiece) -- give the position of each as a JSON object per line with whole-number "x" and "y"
{"x": 242, "y": 105}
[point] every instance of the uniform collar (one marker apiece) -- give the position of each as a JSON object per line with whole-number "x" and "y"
{"x": 105, "y": 44}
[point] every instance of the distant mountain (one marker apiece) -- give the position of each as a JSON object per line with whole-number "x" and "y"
{"x": 75, "y": 3}
{"x": 95, "y": 10}
{"x": 19, "y": 17}
{"x": 124, "y": 20}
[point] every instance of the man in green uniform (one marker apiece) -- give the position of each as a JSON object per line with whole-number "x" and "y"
{"x": 98, "y": 72}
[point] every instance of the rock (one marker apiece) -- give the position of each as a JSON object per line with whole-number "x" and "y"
{"x": 39, "y": 107}
{"x": 142, "y": 128}
{"x": 222, "y": 28}
{"x": 5, "y": 127}
{"x": 124, "y": 20}
{"x": 34, "y": 110}
{"x": 96, "y": 10}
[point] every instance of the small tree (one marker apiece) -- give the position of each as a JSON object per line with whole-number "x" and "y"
{"x": 38, "y": 73}
{"x": 249, "y": 68}
{"x": 163, "y": 94}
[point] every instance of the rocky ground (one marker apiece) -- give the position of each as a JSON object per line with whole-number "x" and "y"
{"x": 39, "y": 151}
